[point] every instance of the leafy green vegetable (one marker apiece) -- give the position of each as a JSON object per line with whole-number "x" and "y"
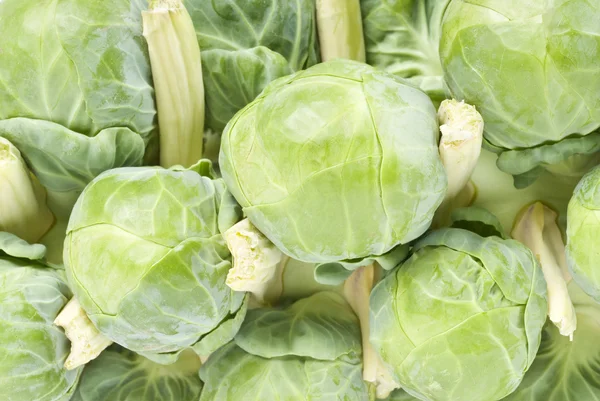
{"x": 247, "y": 44}
{"x": 531, "y": 68}
{"x": 336, "y": 162}
{"x": 461, "y": 318}
{"x": 307, "y": 351}
{"x": 146, "y": 259}
{"x": 402, "y": 37}
{"x": 33, "y": 349}
{"x": 121, "y": 375}
{"x": 582, "y": 229}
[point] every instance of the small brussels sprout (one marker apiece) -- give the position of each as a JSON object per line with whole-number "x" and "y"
{"x": 336, "y": 162}
{"x": 461, "y": 318}
{"x": 583, "y": 228}
{"x": 121, "y": 375}
{"x": 147, "y": 261}
{"x": 531, "y": 69}
{"x": 33, "y": 349}
{"x": 309, "y": 350}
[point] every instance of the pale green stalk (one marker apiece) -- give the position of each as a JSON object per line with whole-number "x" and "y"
{"x": 86, "y": 341}
{"x": 339, "y": 24}
{"x": 177, "y": 74}
{"x": 357, "y": 291}
{"x": 536, "y": 228}
{"x": 23, "y": 209}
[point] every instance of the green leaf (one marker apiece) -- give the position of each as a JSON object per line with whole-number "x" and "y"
{"x": 307, "y": 328}
{"x": 477, "y": 220}
{"x": 12, "y": 245}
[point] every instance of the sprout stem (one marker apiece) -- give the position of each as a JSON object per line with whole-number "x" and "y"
{"x": 357, "y": 291}
{"x": 339, "y": 24}
{"x": 86, "y": 341}
{"x": 23, "y": 210}
{"x": 257, "y": 263}
{"x": 536, "y": 228}
{"x": 177, "y": 74}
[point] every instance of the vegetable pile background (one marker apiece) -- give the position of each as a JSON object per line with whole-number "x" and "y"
{"x": 280, "y": 200}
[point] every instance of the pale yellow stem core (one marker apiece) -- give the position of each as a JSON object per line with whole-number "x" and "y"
{"x": 86, "y": 341}
{"x": 536, "y": 228}
{"x": 257, "y": 263}
{"x": 177, "y": 74}
{"x": 357, "y": 291}
{"x": 23, "y": 209}
{"x": 339, "y": 24}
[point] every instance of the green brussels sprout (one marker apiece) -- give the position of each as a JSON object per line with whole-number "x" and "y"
{"x": 33, "y": 349}
{"x": 121, "y": 375}
{"x": 336, "y": 162}
{"x": 531, "y": 69}
{"x": 582, "y": 233}
{"x": 461, "y": 319}
{"x": 146, "y": 259}
{"x": 310, "y": 350}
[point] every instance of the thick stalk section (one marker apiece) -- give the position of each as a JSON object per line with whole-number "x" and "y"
{"x": 86, "y": 341}
{"x": 357, "y": 291}
{"x": 537, "y": 229}
{"x": 177, "y": 75}
{"x": 23, "y": 209}
{"x": 339, "y": 23}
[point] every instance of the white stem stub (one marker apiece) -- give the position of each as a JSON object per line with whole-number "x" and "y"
{"x": 255, "y": 259}
{"x": 86, "y": 341}
{"x": 460, "y": 145}
{"x": 537, "y": 229}
{"x": 357, "y": 291}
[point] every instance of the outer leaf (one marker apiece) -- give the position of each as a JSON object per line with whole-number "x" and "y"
{"x": 566, "y": 370}
{"x": 121, "y": 375}
{"x": 12, "y": 245}
{"x": 321, "y": 327}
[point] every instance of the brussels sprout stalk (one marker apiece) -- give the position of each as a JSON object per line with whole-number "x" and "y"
{"x": 537, "y": 229}
{"x": 86, "y": 341}
{"x": 460, "y": 146}
{"x": 357, "y": 290}
{"x": 339, "y": 24}
{"x": 177, "y": 74}
{"x": 257, "y": 263}
{"x": 24, "y": 211}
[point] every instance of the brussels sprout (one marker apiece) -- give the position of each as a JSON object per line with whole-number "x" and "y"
{"x": 402, "y": 37}
{"x": 33, "y": 349}
{"x": 121, "y": 375}
{"x": 461, "y": 318}
{"x": 582, "y": 233}
{"x": 336, "y": 162}
{"x": 147, "y": 261}
{"x": 307, "y": 351}
{"x": 247, "y": 44}
{"x": 566, "y": 370}
{"x": 531, "y": 68}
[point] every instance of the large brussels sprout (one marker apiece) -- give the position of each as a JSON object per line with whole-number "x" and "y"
{"x": 76, "y": 94}
{"x": 33, "y": 350}
{"x": 121, "y": 375}
{"x": 336, "y": 162}
{"x": 247, "y": 44}
{"x": 461, "y": 318}
{"x": 582, "y": 233}
{"x": 307, "y": 351}
{"x": 531, "y": 68}
{"x": 402, "y": 37}
{"x": 146, "y": 259}
{"x": 566, "y": 370}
